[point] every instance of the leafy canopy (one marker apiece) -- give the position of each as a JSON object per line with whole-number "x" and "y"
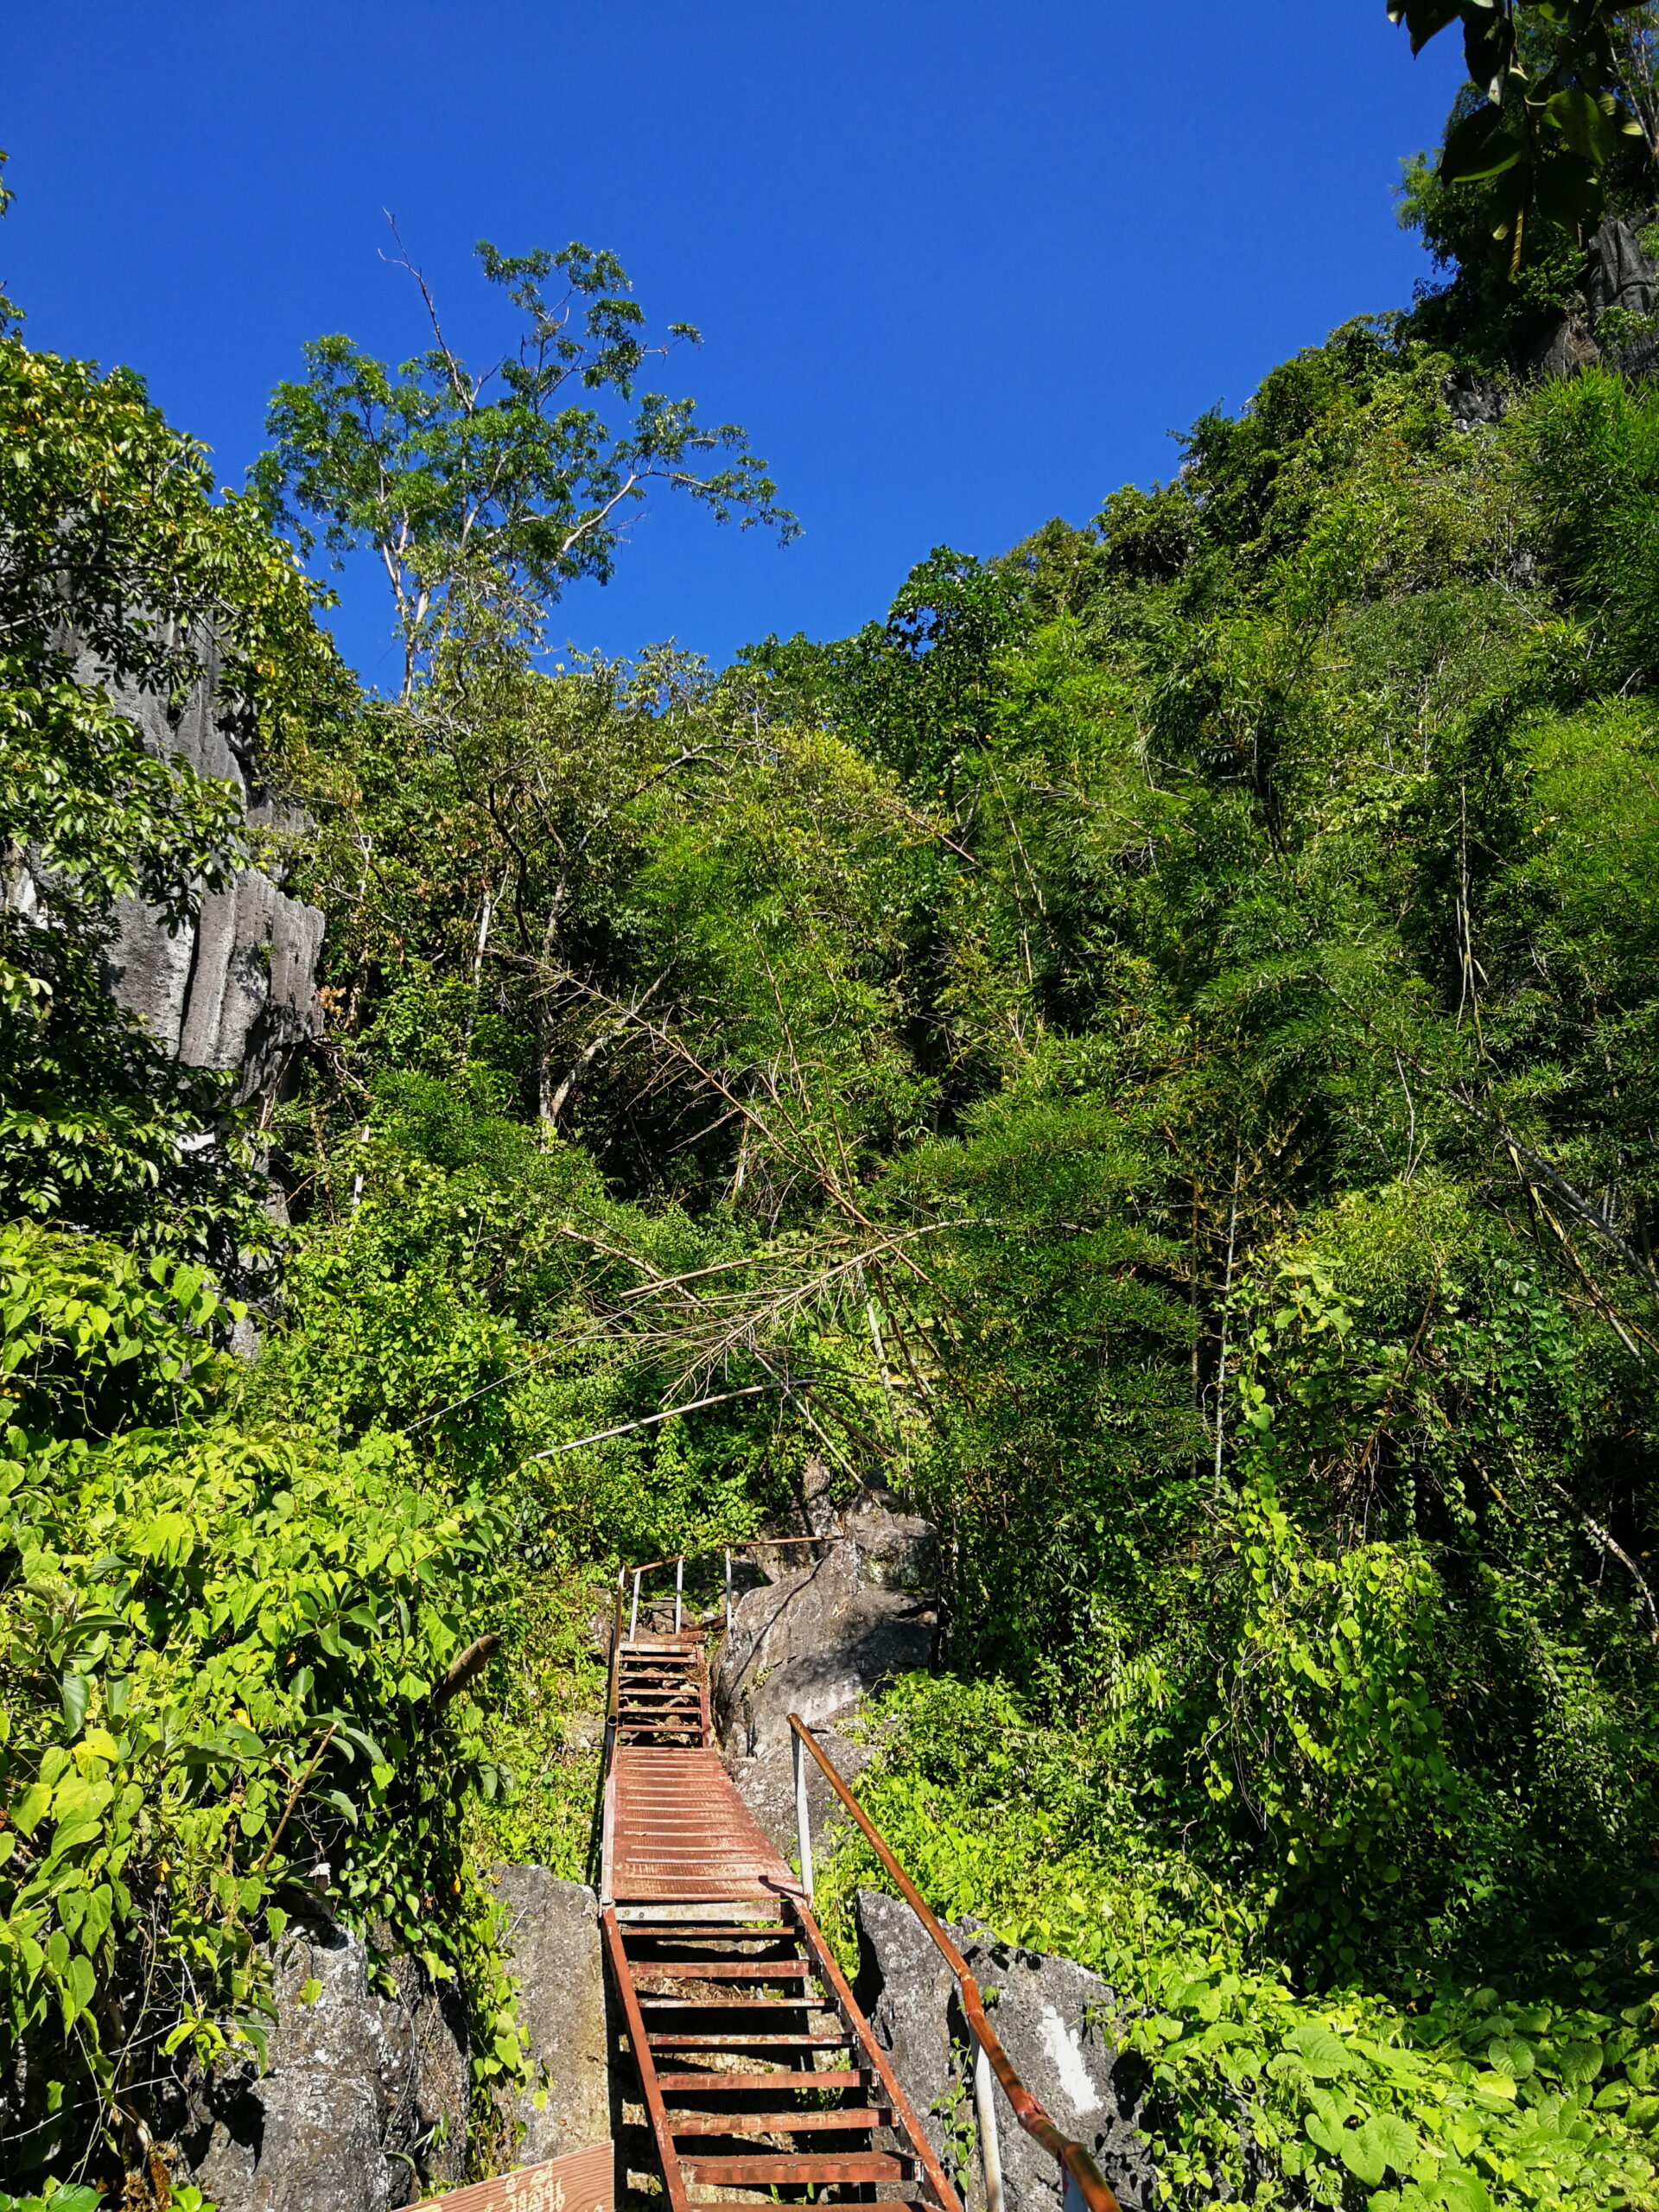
{"x": 1565, "y": 86}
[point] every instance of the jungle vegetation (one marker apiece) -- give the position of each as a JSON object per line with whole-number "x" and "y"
{"x": 1148, "y": 1049}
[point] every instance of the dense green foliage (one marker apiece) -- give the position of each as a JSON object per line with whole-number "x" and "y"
{"x": 1149, "y": 1050}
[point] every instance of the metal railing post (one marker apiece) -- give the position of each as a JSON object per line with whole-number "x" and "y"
{"x": 728, "y": 1594}
{"x": 679, "y": 1592}
{"x": 991, "y": 2147}
{"x": 633, "y": 1617}
{"x": 803, "y": 1820}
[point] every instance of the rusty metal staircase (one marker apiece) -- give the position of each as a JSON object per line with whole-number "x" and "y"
{"x": 758, "y": 2075}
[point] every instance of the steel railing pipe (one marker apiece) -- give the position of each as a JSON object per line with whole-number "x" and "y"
{"x": 1080, "y": 2179}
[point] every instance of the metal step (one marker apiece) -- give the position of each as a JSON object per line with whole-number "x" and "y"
{"x": 716, "y": 1969}
{"x": 750, "y": 2042}
{"x": 860, "y": 2118}
{"x": 733, "y": 2082}
{"x": 689, "y": 1931}
{"x": 735, "y": 2173}
{"x": 654, "y": 2005}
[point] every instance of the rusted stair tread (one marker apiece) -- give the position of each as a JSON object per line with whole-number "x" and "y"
{"x": 750, "y": 2042}
{"x": 912, "y": 2192}
{"x": 669, "y": 1936}
{"x": 841, "y": 2078}
{"x": 693, "y": 1849}
{"x": 868, "y": 2165}
{"x": 697, "y": 1931}
{"x": 719, "y": 1969}
{"x": 689, "y": 1958}
{"x": 858, "y": 2118}
{"x": 651, "y": 2004}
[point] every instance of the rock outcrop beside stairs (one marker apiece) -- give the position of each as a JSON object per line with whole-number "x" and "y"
{"x": 829, "y": 1624}
{"x": 815, "y": 1637}
{"x": 1053, "y": 2017}
{"x": 363, "y": 2107}
{"x": 364, "y": 2100}
{"x": 553, "y": 1949}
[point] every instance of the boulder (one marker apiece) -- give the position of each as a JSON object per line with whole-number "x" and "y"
{"x": 1052, "y": 2016}
{"x": 553, "y": 1949}
{"x": 814, "y": 1638}
{"x": 363, "y": 2101}
{"x": 1558, "y": 348}
{"x": 819, "y": 1635}
{"x": 1474, "y": 400}
{"x": 767, "y": 1786}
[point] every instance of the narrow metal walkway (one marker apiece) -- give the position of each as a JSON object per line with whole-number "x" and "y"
{"x": 759, "y": 2077}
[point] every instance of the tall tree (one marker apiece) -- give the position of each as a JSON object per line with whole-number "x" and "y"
{"x": 483, "y": 492}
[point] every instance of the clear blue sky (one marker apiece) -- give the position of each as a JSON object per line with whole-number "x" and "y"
{"x": 959, "y": 267}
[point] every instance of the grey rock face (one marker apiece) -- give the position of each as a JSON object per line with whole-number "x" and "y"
{"x": 365, "y": 2097}
{"x": 1051, "y": 2016}
{"x": 1559, "y": 349}
{"x": 240, "y": 989}
{"x": 819, "y": 1636}
{"x": 1621, "y": 275}
{"x": 766, "y": 1785}
{"x": 816, "y": 1638}
{"x": 553, "y": 1945}
{"x": 1474, "y": 400}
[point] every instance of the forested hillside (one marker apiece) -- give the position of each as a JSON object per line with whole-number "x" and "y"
{"x": 1149, "y": 1050}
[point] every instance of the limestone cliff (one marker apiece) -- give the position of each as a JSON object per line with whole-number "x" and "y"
{"x": 238, "y": 990}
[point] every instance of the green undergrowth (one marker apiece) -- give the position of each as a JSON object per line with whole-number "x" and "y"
{"x": 546, "y": 1730}
{"x": 1471, "y": 2098}
{"x": 223, "y": 1654}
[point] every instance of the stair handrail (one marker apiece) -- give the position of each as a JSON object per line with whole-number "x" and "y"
{"x": 677, "y": 1562}
{"x": 1081, "y": 2181}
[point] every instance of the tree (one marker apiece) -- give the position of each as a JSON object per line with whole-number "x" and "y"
{"x": 1566, "y": 86}
{"x": 495, "y": 489}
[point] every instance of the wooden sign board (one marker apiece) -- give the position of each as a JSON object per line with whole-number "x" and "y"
{"x": 582, "y": 2181}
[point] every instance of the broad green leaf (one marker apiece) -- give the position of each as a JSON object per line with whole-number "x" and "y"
{"x": 1362, "y": 2156}
{"x": 1581, "y": 2061}
{"x": 73, "y": 1691}
{"x": 1479, "y": 146}
{"x": 1320, "y": 2051}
